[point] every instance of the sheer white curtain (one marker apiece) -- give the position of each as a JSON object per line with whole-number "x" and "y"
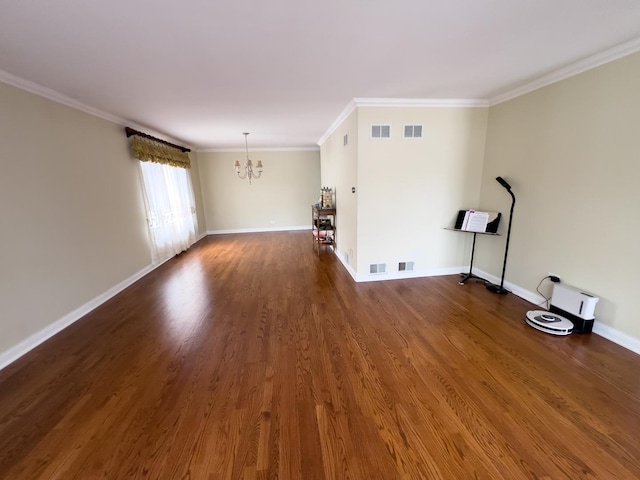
{"x": 171, "y": 210}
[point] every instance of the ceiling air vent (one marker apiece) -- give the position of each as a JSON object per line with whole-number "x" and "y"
{"x": 378, "y": 268}
{"x": 413, "y": 131}
{"x": 380, "y": 131}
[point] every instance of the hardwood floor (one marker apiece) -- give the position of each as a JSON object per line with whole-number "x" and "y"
{"x": 251, "y": 357}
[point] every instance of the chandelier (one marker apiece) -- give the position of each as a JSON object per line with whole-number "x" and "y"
{"x": 249, "y": 172}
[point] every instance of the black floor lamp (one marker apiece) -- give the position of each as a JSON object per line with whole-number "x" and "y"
{"x": 492, "y": 286}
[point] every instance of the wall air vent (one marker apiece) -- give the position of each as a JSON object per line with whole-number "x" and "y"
{"x": 378, "y": 268}
{"x": 345, "y": 140}
{"x": 413, "y": 131}
{"x": 405, "y": 267}
{"x": 380, "y": 131}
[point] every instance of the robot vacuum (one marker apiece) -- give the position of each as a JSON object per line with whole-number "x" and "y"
{"x": 549, "y": 322}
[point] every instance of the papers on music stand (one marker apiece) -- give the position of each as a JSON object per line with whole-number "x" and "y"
{"x": 475, "y": 221}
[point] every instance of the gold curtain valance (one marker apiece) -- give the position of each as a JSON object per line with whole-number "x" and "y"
{"x": 150, "y": 151}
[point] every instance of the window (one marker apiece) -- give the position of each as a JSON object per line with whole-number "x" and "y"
{"x": 168, "y": 194}
{"x": 413, "y": 131}
{"x": 380, "y": 131}
{"x": 171, "y": 211}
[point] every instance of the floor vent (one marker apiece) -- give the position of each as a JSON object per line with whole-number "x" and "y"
{"x": 378, "y": 268}
{"x": 405, "y": 267}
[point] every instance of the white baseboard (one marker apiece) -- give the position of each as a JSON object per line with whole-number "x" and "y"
{"x": 534, "y": 298}
{"x": 345, "y": 264}
{"x": 31, "y": 342}
{"x": 599, "y": 328}
{"x": 380, "y": 277}
{"x": 257, "y": 230}
{"x": 616, "y": 336}
{"x": 17, "y": 351}
{"x": 531, "y": 297}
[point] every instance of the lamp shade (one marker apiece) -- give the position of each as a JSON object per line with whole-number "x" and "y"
{"x": 503, "y": 182}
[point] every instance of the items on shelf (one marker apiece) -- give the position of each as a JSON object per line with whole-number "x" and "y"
{"x": 323, "y": 225}
{"x": 326, "y": 197}
{"x": 323, "y": 237}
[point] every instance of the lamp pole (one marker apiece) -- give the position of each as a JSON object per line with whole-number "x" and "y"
{"x": 492, "y": 286}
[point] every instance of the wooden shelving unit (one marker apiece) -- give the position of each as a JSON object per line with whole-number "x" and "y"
{"x": 323, "y": 226}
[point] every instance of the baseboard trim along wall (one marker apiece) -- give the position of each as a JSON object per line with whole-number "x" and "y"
{"x": 344, "y": 263}
{"x": 380, "y": 277}
{"x": 537, "y": 300}
{"x": 31, "y": 342}
{"x": 257, "y": 230}
{"x": 17, "y": 351}
{"x": 605, "y": 331}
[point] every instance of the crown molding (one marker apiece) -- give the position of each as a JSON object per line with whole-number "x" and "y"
{"x": 258, "y": 149}
{"x": 37, "y": 89}
{"x": 581, "y": 66}
{"x": 400, "y": 102}
{"x": 348, "y": 110}
{"x": 50, "y": 94}
{"x": 421, "y": 102}
{"x": 606, "y": 56}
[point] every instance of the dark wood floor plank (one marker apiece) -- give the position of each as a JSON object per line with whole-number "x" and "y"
{"x": 252, "y": 357}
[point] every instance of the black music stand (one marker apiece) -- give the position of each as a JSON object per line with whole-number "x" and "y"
{"x": 491, "y": 229}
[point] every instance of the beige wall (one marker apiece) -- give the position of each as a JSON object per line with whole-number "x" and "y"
{"x": 280, "y": 199}
{"x": 197, "y": 192}
{"x": 571, "y": 152}
{"x": 340, "y": 172}
{"x": 410, "y": 189}
{"x": 74, "y": 223}
{"x": 73, "y": 219}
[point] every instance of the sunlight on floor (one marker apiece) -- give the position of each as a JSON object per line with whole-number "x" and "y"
{"x": 186, "y": 299}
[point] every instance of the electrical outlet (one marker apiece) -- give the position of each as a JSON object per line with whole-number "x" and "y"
{"x": 551, "y": 274}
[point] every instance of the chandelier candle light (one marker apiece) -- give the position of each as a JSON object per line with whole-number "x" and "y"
{"x": 249, "y": 172}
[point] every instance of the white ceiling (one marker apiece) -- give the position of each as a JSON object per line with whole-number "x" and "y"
{"x": 204, "y": 71}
